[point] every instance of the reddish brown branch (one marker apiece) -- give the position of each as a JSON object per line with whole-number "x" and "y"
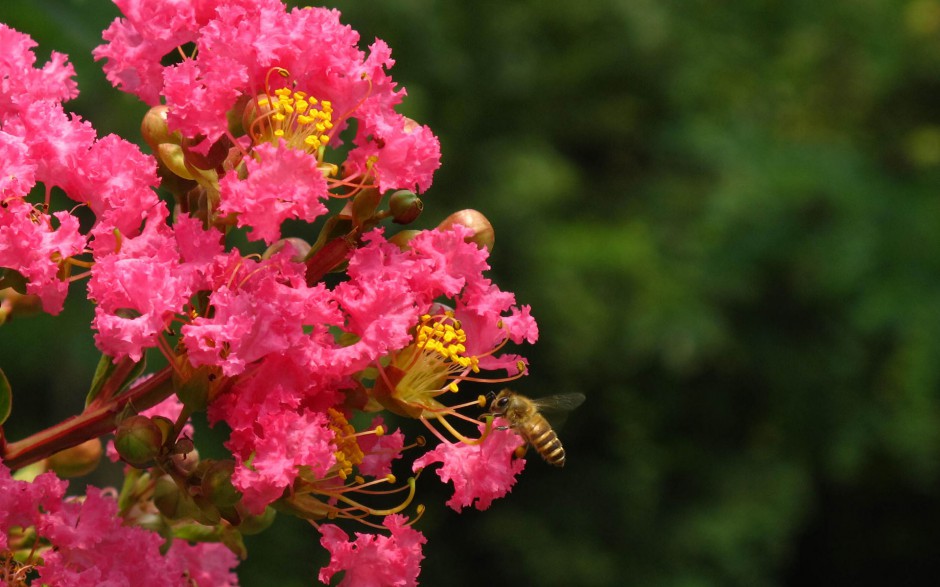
{"x": 92, "y": 423}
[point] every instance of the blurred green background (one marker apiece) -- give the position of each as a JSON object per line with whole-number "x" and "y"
{"x": 725, "y": 216}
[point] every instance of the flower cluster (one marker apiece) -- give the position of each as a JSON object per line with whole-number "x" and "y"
{"x": 82, "y": 542}
{"x": 288, "y": 347}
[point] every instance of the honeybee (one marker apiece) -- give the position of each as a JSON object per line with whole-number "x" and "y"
{"x": 524, "y": 416}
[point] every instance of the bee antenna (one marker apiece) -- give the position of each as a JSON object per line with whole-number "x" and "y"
{"x": 490, "y": 395}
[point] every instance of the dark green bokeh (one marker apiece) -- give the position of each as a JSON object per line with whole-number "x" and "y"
{"x": 725, "y": 216}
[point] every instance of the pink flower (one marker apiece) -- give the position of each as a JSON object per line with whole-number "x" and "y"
{"x": 117, "y": 182}
{"x": 282, "y": 183}
{"x": 92, "y": 547}
{"x": 371, "y": 560}
{"x": 282, "y": 443}
{"x": 279, "y": 381}
{"x": 22, "y": 83}
{"x": 21, "y": 502}
{"x": 138, "y": 289}
{"x": 259, "y": 309}
{"x": 203, "y": 564}
{"x": 149, "y": 29}
{"x": 449, "y": 264}
{"x": 58, "y": 143}
{"x": 32, "y": 245}
{"x": 406, "y": 154}
{"x": 380, "y": 451}
{"x": 389, "y": 289}
{"x": 380, "y": 301}
{"x": 238, "y": 44}
{"x": 17, "y": 170}
{"x": 481, "y": 473}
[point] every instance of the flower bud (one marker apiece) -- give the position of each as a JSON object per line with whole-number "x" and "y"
{"x": 405, "y": 206}
{"x": 300, "y": 246}
{"x": 77, "y": 460}
{"x": 173, "y": 157}
{"x": 187, "y": 462}
{"x": 171, "y": 500}
{"x": 138, "y": 440}
{"x": 165, "y": 426}
{"x": 403, "y": 237}
{"x": 483, "y": 234}
{"x": 217, "y": 484}
{"x": 252, "y": 524}
{"x": 154, "y": 128}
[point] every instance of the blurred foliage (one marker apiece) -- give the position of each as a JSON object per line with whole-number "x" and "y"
{"x": 724, "y": 215}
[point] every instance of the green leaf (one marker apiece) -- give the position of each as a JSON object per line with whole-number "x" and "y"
{"x": 104, "y": 369}
{"x": 113, "y": 378}
{"x": 6, "y": 398}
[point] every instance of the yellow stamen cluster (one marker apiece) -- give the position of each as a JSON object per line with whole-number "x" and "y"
{"x": 445, "y": 337}
{"x": 348, "y": 453}
{"x": 297, "y": 118}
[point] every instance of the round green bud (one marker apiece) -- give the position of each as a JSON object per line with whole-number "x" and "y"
{"x": 257, "y": 524}
{"x": 217, "y": 484}
{"x": 405, "y": 206}
{"x": 138, "y": 440}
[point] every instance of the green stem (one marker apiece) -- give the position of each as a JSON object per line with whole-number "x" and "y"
{"x": 91, "y": 423}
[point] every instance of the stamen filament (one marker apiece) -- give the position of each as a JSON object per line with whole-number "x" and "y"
{"x": 386, "y": 512}
{"x": 458, "y": 435}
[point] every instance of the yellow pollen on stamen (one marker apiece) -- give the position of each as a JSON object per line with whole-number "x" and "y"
{"x": 436, "y": 363}
{"x": 348, "y": 453}
{"x": 304, "y": 122}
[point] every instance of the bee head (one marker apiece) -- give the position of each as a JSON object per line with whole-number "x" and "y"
{"x": 500, "y": 403}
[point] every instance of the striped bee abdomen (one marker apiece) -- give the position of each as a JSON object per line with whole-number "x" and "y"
{"x": 544, "y": 440}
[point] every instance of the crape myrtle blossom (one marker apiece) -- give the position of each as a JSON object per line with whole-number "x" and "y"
{"x": 280, "y": 328}
{"x": 82, "y": 541}
{"x": 291, "y": 346}
{"x": 40, "y": 143}
{"x": 480, "y": 473}
{"x": 371, "y": 560}
{"x": 237, "y": 46}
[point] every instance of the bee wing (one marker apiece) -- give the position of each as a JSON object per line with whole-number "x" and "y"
{"x": 562, "y": 402}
